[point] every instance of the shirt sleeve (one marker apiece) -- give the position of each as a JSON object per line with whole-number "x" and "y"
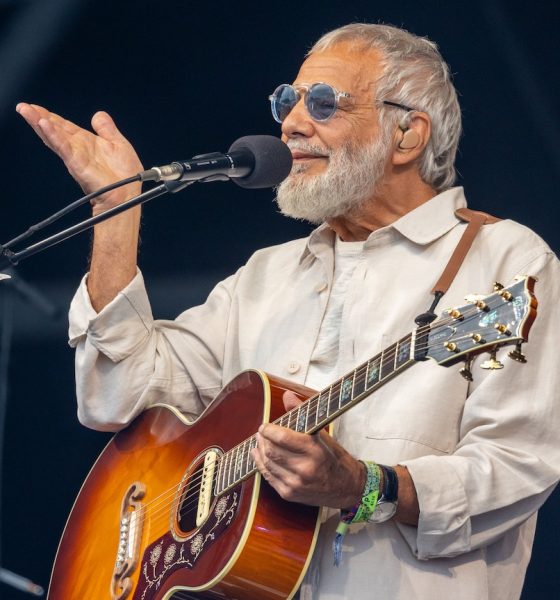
{"x": 127, "y": 361}
{"x": 507, "y": 461}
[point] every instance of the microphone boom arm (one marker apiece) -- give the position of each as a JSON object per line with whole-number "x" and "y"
{"x": 11, "y": 259}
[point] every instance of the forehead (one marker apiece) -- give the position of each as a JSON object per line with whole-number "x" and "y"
{"x": 348, "y": 69}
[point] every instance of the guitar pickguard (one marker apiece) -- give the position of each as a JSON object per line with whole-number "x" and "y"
{"x": 166, "y": 555}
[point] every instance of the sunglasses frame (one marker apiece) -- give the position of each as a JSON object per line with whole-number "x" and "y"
{"x": 307, "y": 88}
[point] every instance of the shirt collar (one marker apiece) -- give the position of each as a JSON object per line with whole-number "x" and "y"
{"x": 434, "y": 218}
{"x": 423, "y": 225}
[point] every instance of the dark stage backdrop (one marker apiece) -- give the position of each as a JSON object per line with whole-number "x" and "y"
{"x": 183, "y": 78}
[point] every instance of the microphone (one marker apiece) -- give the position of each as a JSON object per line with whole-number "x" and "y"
{"x": 253, "y": 161}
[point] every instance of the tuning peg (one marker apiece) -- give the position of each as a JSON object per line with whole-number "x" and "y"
{"x": 517, "y": 354}
{"x": 503, "y": 329}
{"x": 476, "y": 338}
{"x": 506, "y": 295}
{"x": 492, "y": 364}
{"x": 455, "y": 314}
{"x": 478, "y": 301}
{"x": 466, "y": 370}
{"x": 498, "y": 286}
{"x": 451, "y": 346}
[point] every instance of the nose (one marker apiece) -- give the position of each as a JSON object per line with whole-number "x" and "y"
{"x": 298, "y": 123}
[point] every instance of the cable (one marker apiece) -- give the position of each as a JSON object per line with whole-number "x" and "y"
{"x": 61, "y": 213}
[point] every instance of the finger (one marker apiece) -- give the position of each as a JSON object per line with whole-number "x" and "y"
{"x": 57, "y": 121}
{"x": 55, "y": 139}
{"x": 274, "y": 472}
{"x": 291, "y": 400}
{"x": 46, "y": 124}
{"x": 259, "y": 463}
{"x": 105, "y": 127}
{"x": 286, "y": 439}
{"x": 32, "y": 117}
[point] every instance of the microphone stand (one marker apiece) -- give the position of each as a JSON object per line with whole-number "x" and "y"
{"x": 8, "y": 258}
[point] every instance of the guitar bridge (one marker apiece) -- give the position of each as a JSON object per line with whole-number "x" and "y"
{"x": 130, "y": 536}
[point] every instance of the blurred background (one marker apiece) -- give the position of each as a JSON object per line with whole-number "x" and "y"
{"x": 183, "y": 78}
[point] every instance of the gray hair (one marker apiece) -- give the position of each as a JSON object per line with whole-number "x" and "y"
{"x": 415, "y": 75}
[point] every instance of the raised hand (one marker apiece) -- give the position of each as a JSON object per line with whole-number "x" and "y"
{"x": 93, "y": 159}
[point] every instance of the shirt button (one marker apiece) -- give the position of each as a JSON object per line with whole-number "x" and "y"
{"x": 321, "y": 286}
{"x": 293, "y": 367}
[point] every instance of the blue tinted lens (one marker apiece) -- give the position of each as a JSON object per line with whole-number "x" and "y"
{"x": 282, "y": 101}
{"x": 321, "y": 101}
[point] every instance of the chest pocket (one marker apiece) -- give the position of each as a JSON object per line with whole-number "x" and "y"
{"x": 415, "y": 414}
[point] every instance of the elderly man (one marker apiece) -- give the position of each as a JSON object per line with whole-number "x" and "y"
{"x": 439, "y": 477}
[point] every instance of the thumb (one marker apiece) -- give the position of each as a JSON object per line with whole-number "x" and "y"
{"x": 105, "y": 127}
{"x": 291, "y": 400}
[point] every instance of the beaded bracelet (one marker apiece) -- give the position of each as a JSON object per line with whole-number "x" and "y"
{"x": 360, "y": 512}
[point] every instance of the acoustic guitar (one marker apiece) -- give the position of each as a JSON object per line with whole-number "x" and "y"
{"x": 177, "y": 510}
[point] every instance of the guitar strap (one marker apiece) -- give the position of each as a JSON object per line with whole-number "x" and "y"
{"x": 475, "y": 219}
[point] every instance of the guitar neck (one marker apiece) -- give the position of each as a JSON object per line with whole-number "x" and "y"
{"x": 324, "y": 407}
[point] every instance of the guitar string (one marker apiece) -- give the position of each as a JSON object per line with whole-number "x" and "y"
{"x": 151, "y": 509}
{"x": 191, "y": 497}
{"x": 313, "y": 402}
{"x": 381, "y": 358}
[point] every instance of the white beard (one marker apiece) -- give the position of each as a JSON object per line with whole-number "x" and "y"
{"x": 352, "y": 177}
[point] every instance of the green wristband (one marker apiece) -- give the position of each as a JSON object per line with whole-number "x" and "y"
{"x": 370, "y": 494}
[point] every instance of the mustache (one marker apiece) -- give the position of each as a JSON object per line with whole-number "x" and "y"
{"x": 308, "y": 148}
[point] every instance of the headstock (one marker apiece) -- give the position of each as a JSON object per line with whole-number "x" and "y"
{"x": 484, "y": 324}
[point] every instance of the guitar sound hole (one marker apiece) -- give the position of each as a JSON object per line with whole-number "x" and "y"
{"x": 188, "y": 505}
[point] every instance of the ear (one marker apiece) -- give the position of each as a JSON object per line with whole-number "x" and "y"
{"x": 411, "y": 137}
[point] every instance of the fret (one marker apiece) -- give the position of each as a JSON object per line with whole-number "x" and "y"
{"x": 322, "y": 406}
{"x": 360, "y": 375}
{"x": 238, "y": 463}
{"x": 228, "y": 466}
{"x": 307, "y": 405}
{"x": 313, "y": 412}
{"x": 284, "y": 420}
{"x": 345, "y": 392}
{"x": 241, "y": 460}
{"x": 402, "y": 355}
{"x": 292, "y": 419}
{"x": 373, "y": 370}
{"x": 387, "y": 361}
{"x": 223, "y": 480}
{"x": 250, "y": 463}
{"x": 231, "y": 468}
{"x": 301, "y": 419}
{"x": 218, "y": 480}
{"x": 333, "y": 398}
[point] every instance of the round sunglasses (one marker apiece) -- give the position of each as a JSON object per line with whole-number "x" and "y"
{"x": 321, "y": 100}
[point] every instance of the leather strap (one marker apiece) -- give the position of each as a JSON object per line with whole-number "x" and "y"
{"x": 475, "y": 219}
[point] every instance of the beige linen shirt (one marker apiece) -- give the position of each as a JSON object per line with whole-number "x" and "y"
{"x": 483, "y": 455}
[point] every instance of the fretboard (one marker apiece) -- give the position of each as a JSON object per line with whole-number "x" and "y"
{"x": 322, "y": 408}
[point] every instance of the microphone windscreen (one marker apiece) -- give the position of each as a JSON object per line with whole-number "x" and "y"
{"x": 273, "y": 161}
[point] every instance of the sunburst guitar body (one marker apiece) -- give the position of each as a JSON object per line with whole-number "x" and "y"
{"x": 149, "y": 523}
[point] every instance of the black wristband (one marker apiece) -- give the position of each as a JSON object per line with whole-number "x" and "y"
{"x": 390, "y": 484}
